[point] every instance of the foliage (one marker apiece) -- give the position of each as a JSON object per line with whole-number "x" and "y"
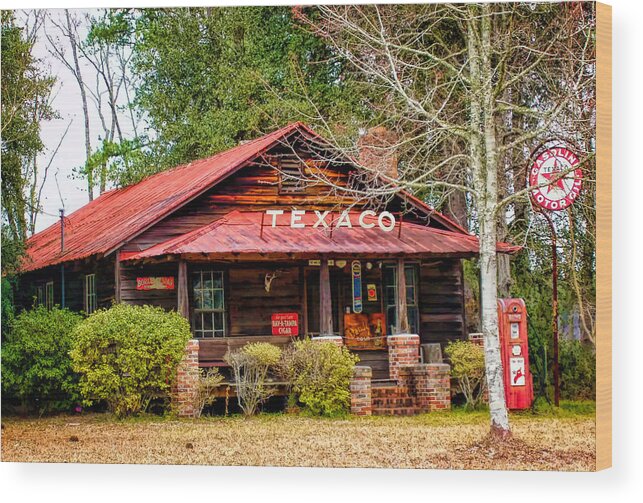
{"x": 468, "y": 367}
{"x": 25, "y": 90}
{"x": 213, "y": 77}
{"x": 319, "y": 374}
{"x": 209, "y": 381}
{"x": 250, "y": 366}
{"x": 36, "y": 367}
{"x": 128, "y": 355}
{"x": 578, "y": 370}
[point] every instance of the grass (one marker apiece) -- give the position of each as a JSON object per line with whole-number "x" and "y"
{"x": 548, "y": 439}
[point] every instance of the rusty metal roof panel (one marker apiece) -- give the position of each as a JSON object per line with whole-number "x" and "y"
{"x": 243, "y": 233}
{"x": 105, "y": 224}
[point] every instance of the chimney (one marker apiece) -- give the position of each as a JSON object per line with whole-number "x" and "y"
{"x": 377, "y": 151}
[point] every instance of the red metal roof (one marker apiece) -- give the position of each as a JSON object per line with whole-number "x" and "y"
{"x": 105, "y": 224}
{"x": 241, "y": 233}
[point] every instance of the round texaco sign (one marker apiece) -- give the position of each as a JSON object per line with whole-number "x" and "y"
{"x": 557, "y": 178}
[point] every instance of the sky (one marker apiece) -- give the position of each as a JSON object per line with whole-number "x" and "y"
{"x": 62, "y": 189}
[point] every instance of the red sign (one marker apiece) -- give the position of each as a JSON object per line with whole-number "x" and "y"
{"x": 557, "y": 177}
{"x": 155, "y": 283}
{"x": 285, "y": 324}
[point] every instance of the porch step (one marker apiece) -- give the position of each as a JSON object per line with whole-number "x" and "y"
{"x": 393, "y": 403}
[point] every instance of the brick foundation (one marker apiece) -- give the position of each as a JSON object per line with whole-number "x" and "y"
{"x": 428, "y": 383}
{"x": 187, "y": 381}
{"x": 403, "y": 349}
{"x": 360, "y": 386}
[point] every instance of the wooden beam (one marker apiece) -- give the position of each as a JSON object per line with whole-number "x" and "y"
{"x": 325, "y": 302}
{"x": 182, "y": 290}
{"x": 402, "y": 314}
{"x": 117, "y": 278}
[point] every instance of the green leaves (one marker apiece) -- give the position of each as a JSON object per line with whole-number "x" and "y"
{"x": 36, "y": 367}
{"x": 128, "y": 355}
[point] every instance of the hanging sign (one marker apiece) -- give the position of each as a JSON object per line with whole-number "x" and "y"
{"x": 371, "y": 292}
{"x": 155, "y": 283}
{"x": 365, "y": 332}
{"x": 356, "y": 268}
{"x": 285, "y": 324}
{"x": 517, "y": 368}
{"x": 557, "y": 176}
{"x": 367, "y": 219}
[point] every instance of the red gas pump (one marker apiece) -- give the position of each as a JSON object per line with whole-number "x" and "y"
{"x": 512, "y": 321}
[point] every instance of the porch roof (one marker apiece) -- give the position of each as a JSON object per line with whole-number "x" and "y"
{"x": 240, "y": 233}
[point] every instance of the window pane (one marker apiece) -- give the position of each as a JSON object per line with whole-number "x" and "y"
{"x": 207, "y": 281}
{"x": 208, "y": 300}
{"x": 218, "y": 279}
{"x": 391, "y": 296}
{"x": 410, "y": 295}
{"x": 218, "y": 299}
{"x": 196, "y": 281}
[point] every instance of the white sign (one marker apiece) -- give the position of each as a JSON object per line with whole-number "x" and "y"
{"x": 515, "y": 330}
{"x": 517, "y": 368}
{"x": 385, "y": 220}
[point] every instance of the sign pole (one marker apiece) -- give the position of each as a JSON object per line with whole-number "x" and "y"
{"x": 554, "y": 321}
{"x": 555, "y": 179}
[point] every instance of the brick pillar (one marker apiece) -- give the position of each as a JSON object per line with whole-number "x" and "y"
{"x": 403, "y": 349}
{"x": 360, "y": 386}
{"x": 187, "y": 380}
{"x": 438, "y": 386}
{"x": 335, "y": 339}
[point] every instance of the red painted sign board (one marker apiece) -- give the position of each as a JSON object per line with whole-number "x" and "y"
{"x": 557, "y": 178}
{"x": 285, "y": 324}
{"x": 155, "y": 283}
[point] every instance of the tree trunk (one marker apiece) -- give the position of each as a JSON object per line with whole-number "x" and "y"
{"x": 83, "y": 97}
{"x": 485, "y": 169}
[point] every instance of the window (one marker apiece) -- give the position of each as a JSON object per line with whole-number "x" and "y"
{"x": 40, "y": 295}
{"x": 291, "y": 176}
{"x": 49, "y": 295}
{"x": 208, "y": 318}
{"x": 390, "y": 297}
{"x": 90, "y": 293}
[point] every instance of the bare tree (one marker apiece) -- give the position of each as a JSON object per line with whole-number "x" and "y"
{"x": 468, "y": 89}
{"x": 68, "y": 29}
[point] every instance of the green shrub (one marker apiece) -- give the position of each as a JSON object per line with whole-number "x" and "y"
{"x": 36, "y": 366}
{"x": 128, "y": 355}
{"x": 467, "y": 366}
{"x": 578, "y": 370}
{"x": 319, "y": 374}
{"x": 250, "y": 366}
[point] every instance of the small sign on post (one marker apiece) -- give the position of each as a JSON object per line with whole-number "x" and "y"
{"x": 356, "y": 268}
{"x": 285, "y": 324}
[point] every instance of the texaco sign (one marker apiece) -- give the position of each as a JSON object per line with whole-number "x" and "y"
{"x": 557, "y": 176}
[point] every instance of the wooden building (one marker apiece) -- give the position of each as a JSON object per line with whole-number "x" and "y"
{"x": 270, "y": 240}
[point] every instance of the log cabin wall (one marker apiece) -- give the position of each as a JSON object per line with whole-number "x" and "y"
{"x": 250, "y": 306}
{"x": 167, "y": 299}
{"x": 441, "y": 301}
{"x": 75, "y": 273}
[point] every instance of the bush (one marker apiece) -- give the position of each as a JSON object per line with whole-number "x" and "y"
{"x": 36, "y": 366}
{"x": 467, "y": 366}
{"x": 209, "y": 381}
{"x": 578, "y": 370}
{"x": 250, "y": 366}
{"x": 319, "y": 374}
{"x": 128, "y": 355}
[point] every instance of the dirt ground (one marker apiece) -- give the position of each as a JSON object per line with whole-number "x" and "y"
{"x": 439, "y": 440}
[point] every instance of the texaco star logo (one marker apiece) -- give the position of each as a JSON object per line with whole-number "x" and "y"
{"x": 559, "y": 168}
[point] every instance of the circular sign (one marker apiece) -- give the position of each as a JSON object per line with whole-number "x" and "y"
{"x": 557, "y": 176}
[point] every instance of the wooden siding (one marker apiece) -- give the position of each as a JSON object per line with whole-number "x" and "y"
{"x": 253, "y": 188}
{"x": 441, "y": 301}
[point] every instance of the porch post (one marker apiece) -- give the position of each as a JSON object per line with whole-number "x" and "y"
{"x": 402, "y": 314}
{"x": 325, "y": 303}
{"x": 182, "y": 290}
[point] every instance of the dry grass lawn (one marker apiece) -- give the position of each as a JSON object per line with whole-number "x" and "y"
{"x": 447, "y": 440}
